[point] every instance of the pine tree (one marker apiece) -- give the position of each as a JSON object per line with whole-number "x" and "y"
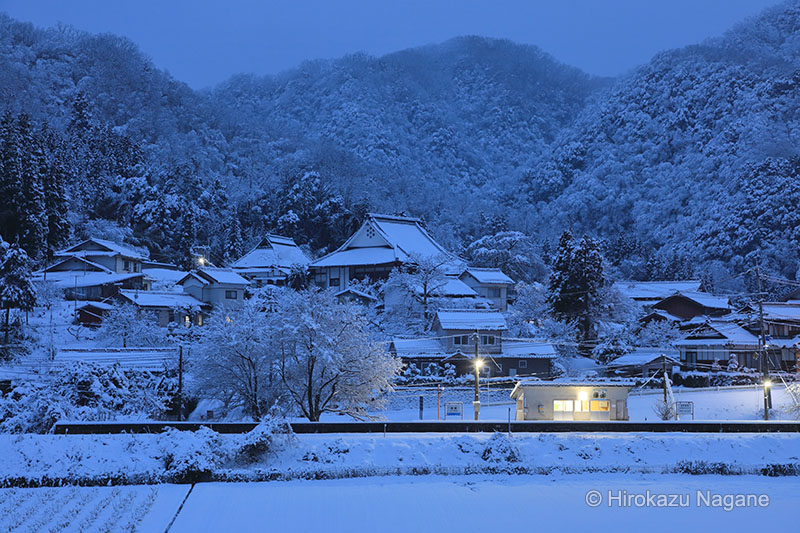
{"x": 187, "y": 239}
{"x": 11, "y": 200}
{"x": 575, "y": 281}
{"x": 16, "y": 286}
{"x": 56, "y": 206}
{"x": 234, "y": 244}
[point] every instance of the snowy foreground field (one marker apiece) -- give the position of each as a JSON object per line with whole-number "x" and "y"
{"x": 403, "y": 504}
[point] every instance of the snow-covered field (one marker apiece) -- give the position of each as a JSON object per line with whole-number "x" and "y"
{"x": 405, "y": 503}
{"x": 138, "y": 508}
{"x": 479, "y": 504}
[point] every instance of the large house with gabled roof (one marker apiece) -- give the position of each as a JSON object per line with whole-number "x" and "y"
{"x": 382, "y": 243}
{"x": 95, "y": 269}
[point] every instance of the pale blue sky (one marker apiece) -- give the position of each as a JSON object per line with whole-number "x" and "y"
{"x": 203, "y": 42}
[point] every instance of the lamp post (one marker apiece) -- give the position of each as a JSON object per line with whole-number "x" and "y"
{"x": 476, "y": 403}
{"x": 767, "y": 385}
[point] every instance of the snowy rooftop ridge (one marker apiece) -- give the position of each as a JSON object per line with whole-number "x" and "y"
{"x": 489, "y": 275}
{"x": 162, "y": 299}
{"x": 215, "y": 275}
{"x": 655, "y": 290}
{"x": 274, "y": 251}
{"x": 110, "y": 246}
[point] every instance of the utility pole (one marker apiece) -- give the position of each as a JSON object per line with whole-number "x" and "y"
{"x": 664, "y": 365}
{"x": 762, "y": 341}
{"x": 476, "y": 403}
{"x": 180, "y": 383}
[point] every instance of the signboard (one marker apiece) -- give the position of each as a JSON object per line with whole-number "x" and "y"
{"x": 453, "y": 409}
{"x": 684, "y": 409}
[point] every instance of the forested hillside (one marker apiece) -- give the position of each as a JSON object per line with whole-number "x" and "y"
{"x": 686, "y": 166}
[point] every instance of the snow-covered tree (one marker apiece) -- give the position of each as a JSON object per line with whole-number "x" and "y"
{"x": 16, "y": 285}
{"x": 418, "y": 285}
{"x": 576, "y": 279}
{"x": 512, "y": 252}
{"x": 235, "y": 362}
{"x": 126, "y": 325}
{"x": 328, "y": 360}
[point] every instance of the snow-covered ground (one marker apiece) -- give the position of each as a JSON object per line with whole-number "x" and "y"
{"x": 137, "y": 508}
{"x": 405, "y": 503}
{"x": 479, "y": 504}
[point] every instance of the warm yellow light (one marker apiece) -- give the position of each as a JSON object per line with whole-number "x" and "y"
{"x": 582, "y": 396}
{"x": 201, "y": 261}
{"x": 478, "y": 363}
{"x": 767, "y": 383}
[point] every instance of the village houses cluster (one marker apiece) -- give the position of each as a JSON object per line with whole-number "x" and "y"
{"x": 98, "y": 274}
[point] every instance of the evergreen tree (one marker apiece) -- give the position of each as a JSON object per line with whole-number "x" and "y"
{"x": 10, "y": 184}
{"x": 575, "y": 281}
{"x": 16, "y": 286}
{"x": 187, "y": 240}
{"x": 234, "y": 244}
{"x": 33, "y": 219}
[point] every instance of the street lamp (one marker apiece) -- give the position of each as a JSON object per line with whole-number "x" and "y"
{"x": 476, "y": 404}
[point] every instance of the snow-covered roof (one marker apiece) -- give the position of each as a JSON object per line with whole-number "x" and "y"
{"x": 112, "y": 248}
{"x": 723, "y": 333}
{"x": 401, "y": 238}
{"x": 164, "y": 274}
{"x": 654, "y": 290}
{"x": 663, "y": 314}
{"x": 356, "y": 292}
{"x": 97, "y": 305}
{"x": 528, "y": 349}
{"x": 452, "y": 288}
{"x": 361, "y": 256}
{"x": 471, "y": 319}
{"x": 273, "y": 251}
{"x": 86, "y": 265}
{"x": 161, "y": 300}
{"x": 150, "y": 359}
{"x": 786, "y": 311}
{"x": 643, "y": 356}
{"x": 705, "y": 299}
{"x": 76, "y": 279}
{"x": 419, "y": 347}
{"x": 534, "y": 382}
{"x": 490, "y": 276}
{"x": 216, "y": 275}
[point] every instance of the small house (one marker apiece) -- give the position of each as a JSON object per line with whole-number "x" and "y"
{"x": 687, "y": 305}
{"x": 215, "y": 286}
{"x": 490, "y": 283}
{"x": 112, "y": 256}
{"x": 649, "y": 293}
{"x": 91, "y": 314}
{"x": 570, "y": 400}
{"x": 644, "y": 362}
{"x": 271, "y": 262}
{"x": 455, "y": 335}
{"x": 168, "y": 307}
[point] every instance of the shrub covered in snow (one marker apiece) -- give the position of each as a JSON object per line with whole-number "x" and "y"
{"x": 82, "y": 392}
{"x": 270, "y": 435}
{"x": 192, "y": 456}
{"x": 500, "y": 449}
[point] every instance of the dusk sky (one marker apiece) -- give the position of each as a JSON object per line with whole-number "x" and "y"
{"x": 204, "y": 43}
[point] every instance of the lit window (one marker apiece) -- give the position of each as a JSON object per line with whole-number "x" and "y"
{"x": 599, "y": 405}
{"x": 562, "y": 405}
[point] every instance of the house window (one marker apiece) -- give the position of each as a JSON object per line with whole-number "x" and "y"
{"x": 523, "y": 363}
{"x": 126, "y": 265}
{"x": 187, "y": 321}
{"x": 230, "y": 295}
{"x": 494, "y": 292}
{"x": 334, "y": 282}
{"x": 599, "y": 405}
{"x": 200, "y": 319}
{"x": 487, "y": 339}
{"x": 461, "y": 339}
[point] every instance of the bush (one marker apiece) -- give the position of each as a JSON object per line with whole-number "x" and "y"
{"x": 269, "y": 435}
{"x": 192, "y": 456}
{"x": 500, "y": 449}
